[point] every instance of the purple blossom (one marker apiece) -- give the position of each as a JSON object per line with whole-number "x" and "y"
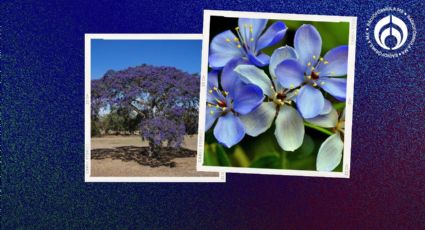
{"x": 166, "y": 98}
{"x": 226, "y": 103}
{"x": 246, "y": 44}
{"x": 310, "y": 72}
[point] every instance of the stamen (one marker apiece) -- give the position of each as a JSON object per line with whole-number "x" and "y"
{"x": 236, "y": 39}
{"x": 309, "y": 64}
{"x": 309, "y": 77}
{"x": 212, "y": 112}
{"x": 224, "y": 108}
{"x": 209, "y": 105}
{"x": 225, "y": 93}
{"x": 314, "y": 57}
{"x": 215, "y": 88}
{"x": 291, "y": 86}
{"x": 322, "y": 83}
{"x": 312, "y": 68}
{"x": 325, "y": 62}
{"x": 315, "y": 84}
{"x": 252, "y": 39}
{"x": 227, "y": 40}
{"x": 239, "y": 46}
{"x": 210, "y": 91}
{"x": 321, "y": 59}
{"x": 217, "y": 106}
{"x": 237, "y": 28}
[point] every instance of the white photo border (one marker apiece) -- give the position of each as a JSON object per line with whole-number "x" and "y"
{"x": 349, "y": 100}
{"x": 87, "y": 73}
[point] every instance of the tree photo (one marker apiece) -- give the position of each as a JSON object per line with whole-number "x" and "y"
{"x": 144, "y": 107}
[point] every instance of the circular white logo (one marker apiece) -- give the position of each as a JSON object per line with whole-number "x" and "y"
{"x": 390, "y": 32}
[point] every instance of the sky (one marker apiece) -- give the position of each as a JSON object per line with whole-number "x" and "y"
{"x": 121, "y": 54}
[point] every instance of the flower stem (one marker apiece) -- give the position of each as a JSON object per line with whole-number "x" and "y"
{"x": 323, "y": 130}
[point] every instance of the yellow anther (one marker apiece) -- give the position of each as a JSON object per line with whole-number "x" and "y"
{"x": 315, "y": 84}
{"x": 246, "y": 25}
{"x": 236, "y": 39}
{"x": 209, "y": 105}
{"x": 325, "y": 62}
{"x": 224, "y": 108}
{"x": 252, "y": 39}
{"x": 237, "y": 28}
{"x": 322, "y": 83}
{"x": 297, "y": 92}
{"x": 227, "y": 40}
{"x": 321, "y": 59}
{"x": 314, "y": 57}
{"x": 239, "y": 46}
{"x": 215, "y": 88}
{"x": 250, "y": 26}
{"x": 217, "y": 106}
{"x": 309, "y": 77}
{"x": 212, "y": 112}
{"x": 210, "y": 91}
{"x": 291, "y": 86}
{"x": 309, "y": 64}
{"x": 312, "y": 68}
{"x": 332, "y": 73}
{"x": 225, "y": 93}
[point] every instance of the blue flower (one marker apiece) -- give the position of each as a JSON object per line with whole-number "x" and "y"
{"x": 309, "y": 72}
{"x": 247, "y": 44}
{"x": 226, "y": 103}
{"x": 289, "y": 131}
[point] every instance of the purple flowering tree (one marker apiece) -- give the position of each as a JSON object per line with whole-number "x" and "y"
{"x": 166, "y": 99}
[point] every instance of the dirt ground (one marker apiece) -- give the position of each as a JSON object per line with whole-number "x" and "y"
{"x": 185, "y": 167}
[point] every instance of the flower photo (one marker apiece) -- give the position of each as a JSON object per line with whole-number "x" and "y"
{"x": 276, "y": 94}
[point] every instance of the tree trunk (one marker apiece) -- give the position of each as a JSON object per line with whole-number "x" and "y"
{"x": 153, "y": 149}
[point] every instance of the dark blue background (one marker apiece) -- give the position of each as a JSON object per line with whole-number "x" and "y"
{"x": 42, "y": 145}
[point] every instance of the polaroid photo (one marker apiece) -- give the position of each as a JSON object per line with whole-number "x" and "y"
{"x": 141, "y": 108}
{"x": 276, "y": 94}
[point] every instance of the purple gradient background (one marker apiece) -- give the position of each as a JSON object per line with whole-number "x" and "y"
{"x": 43, "y": 130}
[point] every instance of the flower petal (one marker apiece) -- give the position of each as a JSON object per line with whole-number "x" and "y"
{"x": 259, "y": 60}
{"x": 256, "y": 76}
{"x": 327, "y": 121}
{"x": 336, "y": 62}
{"x": 247, "y": 98}
{"x": 248, "y": 32}
{"x": 337, "y": 87}
{"x": 289, "y": 131}
{"x": 310, "y": 101}
{"x": 330, "y": 153}
{"x": 273, "y": 35}
{"x": 280, "y": 55}
{"x": 229, "y": 130}
{"x": 327, "y": 107}
{"x": 213, "y": 78}
{"x": 308, "y": 44}
{"x": 259, "y": 120}
{"x": 342, "y": 116}
{"x": 290, "y": 73}
{"x": 223, "y": 49}
{"x": 229, "y": 78}
{"x": 211, "y": 116}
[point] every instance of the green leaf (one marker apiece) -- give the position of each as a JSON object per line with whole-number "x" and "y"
{"x": 223, "y": 159}
{"x": 210, "y": 158}
{"x": 270, "y": 161}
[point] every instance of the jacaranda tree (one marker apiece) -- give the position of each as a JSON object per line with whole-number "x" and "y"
{"x": 165, "y": 98}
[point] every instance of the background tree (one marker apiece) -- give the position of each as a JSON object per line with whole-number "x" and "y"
{"x": 165, "y": 99}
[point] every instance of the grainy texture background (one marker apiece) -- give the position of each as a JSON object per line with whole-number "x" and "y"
{"x": 42, "y": 52}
